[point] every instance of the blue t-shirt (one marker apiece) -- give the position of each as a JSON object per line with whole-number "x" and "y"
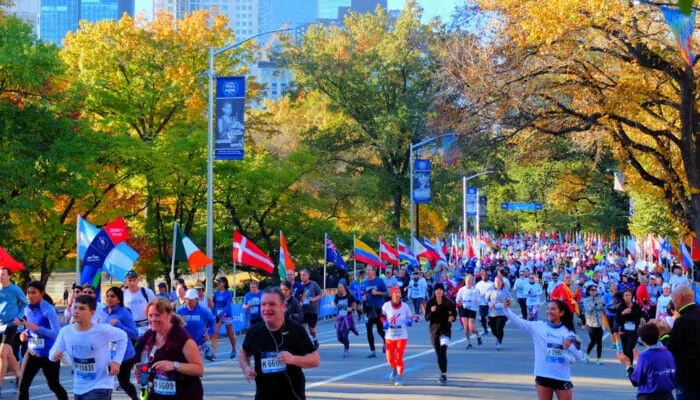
{"x": 378, "y": 285}
{"x": 12, "y": 303}
{"x": 253, "y": 301}
{"x": 197, "y": 319}
{"x": 610, "y": 305}
{"x": 222, "y": 303}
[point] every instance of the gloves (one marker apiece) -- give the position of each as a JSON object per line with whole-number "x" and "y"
{"x": 409, "y": 322}
{"x": 385, "y": 325}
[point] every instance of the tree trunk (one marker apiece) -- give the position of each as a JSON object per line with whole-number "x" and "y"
{"x": 396, "y": 223}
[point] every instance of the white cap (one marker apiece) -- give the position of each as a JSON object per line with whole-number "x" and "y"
{"x": 191, "y": 294}
{"x": 665, "y": 285}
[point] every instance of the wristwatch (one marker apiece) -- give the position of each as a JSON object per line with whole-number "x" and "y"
{"x": 176, "y": 365}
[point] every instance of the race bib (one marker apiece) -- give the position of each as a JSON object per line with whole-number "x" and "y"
{"x": 467, "y": 304}
{"x": 629, "y": 326}
{"x": 342, "y": 312}
{"x": 85, "y": 368}
{"x": 498, "y": 305}
{"x": 444, "y": 340}
{"x": 163, "y": 385}
{"x": 36, "y": 343}
{"x": 269, "y": 363}
{"x": 254, "y": 310}
{"x": 142, "y": 327}
{"x": 219, "y": 312}
{"x": 112, "y": 350}
{"x": 555, "y": 353}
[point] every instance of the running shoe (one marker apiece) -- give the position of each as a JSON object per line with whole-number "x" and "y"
{"x": 372, "y": 355}
{"x": 599, "y": 362}
{"x": 393, "y": 375}
{"x": 443, "y": 379}
{"x": 346, "y": 354}
{"x": 469, "y": 346}
{"x": 210, "y": 357}
{"x": 233, "y": 354}
{"x": 478, "y": 340}
{"x": 587, "y": 359}
{"x": 498, "y": 347}
{"x": 399, "y": 381}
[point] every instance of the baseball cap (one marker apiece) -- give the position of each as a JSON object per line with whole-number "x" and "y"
{"x": 132, "y": 274}
{"x": 162, "y": 284}
{"x": 394, "y": 289}
{"x": 191, "y": 294}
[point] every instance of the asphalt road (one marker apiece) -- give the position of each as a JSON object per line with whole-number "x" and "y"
{"x": 478, "y": 373}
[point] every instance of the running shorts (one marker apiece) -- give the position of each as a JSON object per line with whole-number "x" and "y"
{"x": 553, "y": 384}
{"x": 311, "y": 319}
{"x": 8, "y": 336}
{"x": 465, "y": 313}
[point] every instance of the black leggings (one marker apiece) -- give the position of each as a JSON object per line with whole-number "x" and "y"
{"x": 124, "y": 378}
{"x": 440, "y": 351}
{"x": 31, "y": 366}
{"x": 523, "y": 308}
{"x": 370, "y": 335}
{"x": 629, "y": 341}
{"x": 483, "y": 312}
{"x": 343, "y": 337}
{"x": 497, "y": 324}
{"x": 596, "y": 335}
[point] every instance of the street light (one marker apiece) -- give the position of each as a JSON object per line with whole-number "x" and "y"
{"x": 410, "y": 176}
{"x": 464, "y": 211}
{"x": 210, "y": 152}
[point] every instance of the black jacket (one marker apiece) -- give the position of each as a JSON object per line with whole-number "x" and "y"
{"x": 439, "y": 320}
{"x": 684, "y": 344}
{"x": 293, "y": 310}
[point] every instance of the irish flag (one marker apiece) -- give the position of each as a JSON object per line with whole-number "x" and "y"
{"x": 186, "y": 250}
{"x": 286, "y": 263}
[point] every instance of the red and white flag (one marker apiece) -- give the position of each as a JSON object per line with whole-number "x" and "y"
{"x": 388, "y": 253}
{"x": 247, "y": 253}
{"x": 6, "y": 260}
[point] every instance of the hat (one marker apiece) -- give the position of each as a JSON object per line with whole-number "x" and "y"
{"x": 132, "y": 274}
{"x": 191, "y": 294}
{"x": 394, "y": 289}
{"x": 162, "y": 284}
{"x": 665, "y": 285}
{"x": 198, "y": 286}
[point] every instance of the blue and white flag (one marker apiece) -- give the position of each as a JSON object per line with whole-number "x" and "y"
{"x": 405, "y": 253}
{"x": 86, "y": 233}
{"x": 333, "y": 256}
{"x": 120, "y": 261}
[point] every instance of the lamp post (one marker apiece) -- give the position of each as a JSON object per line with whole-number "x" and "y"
{"x": 465, "y": 179}
{"x": 410, "y": 177}
{"x": 210, "y": 152}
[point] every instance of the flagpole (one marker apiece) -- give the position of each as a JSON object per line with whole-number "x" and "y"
{"x": 325, "y": 260}
{"x": 234, "y": 280}
{"x": 464, "y": 211}
{"x": 380, "y": 249}
{"x": 478, "y": 231}
{"x": 354, "y": 261}
{"x": 172, "y": 261}
{"x": 77, "y": 250}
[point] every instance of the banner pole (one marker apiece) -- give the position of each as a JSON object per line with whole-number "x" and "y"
{"x": 354, "y": 261}
{"x": 172, "y": 261}
{"x": 325, "y": 260}
{"x": 77, "y": 250}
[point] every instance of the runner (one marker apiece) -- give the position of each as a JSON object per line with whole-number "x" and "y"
{"x": 520, "y": 293}
{"x": 417, "y": 288}
{"x": 677, "y": 279}
{"x": 483, "y": 287}
{"x": 120, "y": 317}
{"x": 611, "y": 301}
{"x": 533, "y": 291}
{"x": 344, "y": 322}
{"x": 396, "y": 316}
{"x": 568, "y": 293}
{"x": 42, "y": 327}
{"x": 628, "y": 317}
{"x": 199, "y": 322}
{"x": 136, "y": 299}
{"x": 100, "y": 316}
{"x": 357, "y": 288}
{"x": 497, "y": 316}
{"x": 555, "y": 345}
{"x": 202, "y": 298}
{"x": 87, "y": 345}
{"x": 12, "y": 305}
{"x": 170, "y": 355}
{"x": 163, "y": 291}
{"x": 251, "y": 303}
{"x": 374, "y": 300}
{"x": 297, "y": 287}
{"x": 309, "y": 304}
{"x": 441, "y": 312}
{"x": 468, "y": 302}
{"x": 594, "y": 306}
{"x": 292, "y": 309}
{"x": 663, "y": 301}
{"x": 223, "y": 298}
{"x": 280, "y": 348}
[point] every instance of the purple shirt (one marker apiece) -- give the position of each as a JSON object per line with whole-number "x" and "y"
{"x": 655, "y": 371}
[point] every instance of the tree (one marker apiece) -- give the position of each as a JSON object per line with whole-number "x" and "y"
{"x": 376, "y": 71}
{"x": 594, "y": 71}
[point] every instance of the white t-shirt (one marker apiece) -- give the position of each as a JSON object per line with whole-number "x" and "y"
{"x": 533, "y": 291}
{"x": 661, "y": 305}
{"x": 483, "y": 287}
{"x": 417, "y": 288}
{"x": 90, "y": 354}
{"x": 468, "y": 298}
{"x": 396, "y": 317}
{"x": 136, "y": 303}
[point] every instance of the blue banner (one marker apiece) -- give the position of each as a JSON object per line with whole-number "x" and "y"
{"x": 521, "y": 206}
{"x": 230, "y": 113}
{"x": 95, "y": 257}
{"x": 421, "y": 181}
{"x": 472, "y": 201}
{"x": 326, "y": 309}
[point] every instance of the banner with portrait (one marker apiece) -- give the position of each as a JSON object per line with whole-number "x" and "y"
{"x": 421, "y": 181}
{"x": 229, "y": 125}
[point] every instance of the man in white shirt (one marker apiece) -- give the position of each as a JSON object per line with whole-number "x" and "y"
{"x": 677, "y": 279}
{"x": 417, "y": 291}
{"x": 87, "y": 345}
{"x": 483, "y": 287}
{"x": 136, "y": 299}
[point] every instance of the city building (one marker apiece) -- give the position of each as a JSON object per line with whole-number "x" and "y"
{"x": 28, "y": 11}
{"x": 99, "y": 10}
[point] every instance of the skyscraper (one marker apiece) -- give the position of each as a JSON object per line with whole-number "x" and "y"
{"x": 333, "y": 11}
{"x": 98, "y": 10}
{"x": 28, "y": 11}
{"x": 58, "y": 17}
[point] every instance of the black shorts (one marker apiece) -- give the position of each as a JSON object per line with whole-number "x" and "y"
{"x": 554, "y": 384}
{"x": 311, "y": 319}
{"x": 466, "y": 313}
{"x": 9, "y": 335}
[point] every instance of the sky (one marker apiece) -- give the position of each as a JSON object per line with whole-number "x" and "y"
{"x": 441, "y": 8}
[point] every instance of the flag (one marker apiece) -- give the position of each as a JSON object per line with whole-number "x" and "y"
{"x": 405, "y": 253}
{"x": 435, "y": 247}
{"x": 470, "y": 248}
{"x": 388, "y": 253}
{"x": 619, "y": 181}
{"x": 247, "y": 253}
{"x": 333, "y": 256}
{"x": 6, "y": 260}
{"x": 186, "y": 250}
{"x": 365, "y": 254}
{"x": 421, "y": 250}
{"x": 686, "y": 259}
{"x": 116, "y": 230}
{"x": 286, "y": 263}
{"x": 86, "y": 233}
{"x": 682, "y": 27}
{"x": 694, "y": 251}
{"x": 120, "y": 260}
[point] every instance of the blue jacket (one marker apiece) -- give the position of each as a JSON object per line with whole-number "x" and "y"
{"x": 222, "y": 303}
{"x": 655, "y": 371}
{"x": 12, "y": 303}
{"x": 195, "y": 320}
{"x": 125, "y": 322}
{"x": 44, "y": 316}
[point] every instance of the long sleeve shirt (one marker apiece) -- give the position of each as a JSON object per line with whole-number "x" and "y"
{"x": 44, "y": 316}
{"x": 12, "y": 303}
{"x": 496, "y": 297}
{"x": 125, "y": 321}
{"x": 197, "y": 321}
{"x": 655, "y": 371}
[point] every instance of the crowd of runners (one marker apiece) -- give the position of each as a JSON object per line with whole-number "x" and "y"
{"x": 552, "y": 290}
